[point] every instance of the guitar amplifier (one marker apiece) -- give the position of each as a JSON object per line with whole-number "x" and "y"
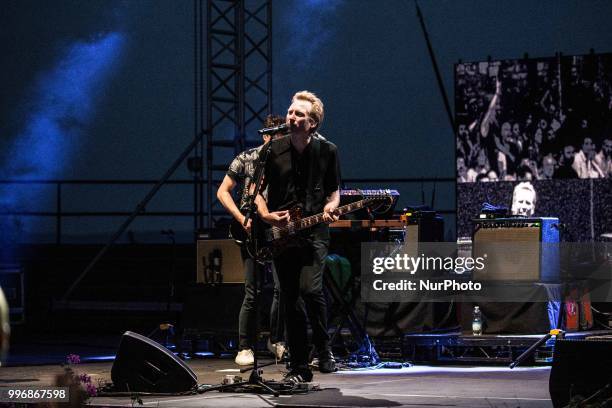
{"x": 517, "y": 249}
{"x": 219, "y": 261}
{"x": 424, "y": 228}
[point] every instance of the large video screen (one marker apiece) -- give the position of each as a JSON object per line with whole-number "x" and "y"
{"x": 539, "y": 128}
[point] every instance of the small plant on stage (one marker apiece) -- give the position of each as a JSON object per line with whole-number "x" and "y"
{"x": 80, "y": 384}
{"x": 73, "y": 359}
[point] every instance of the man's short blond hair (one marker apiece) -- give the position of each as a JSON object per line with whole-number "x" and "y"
{"x": 316, "y": 112}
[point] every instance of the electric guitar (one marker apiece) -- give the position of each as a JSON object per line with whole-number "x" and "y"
{"x": 271, "y": 240}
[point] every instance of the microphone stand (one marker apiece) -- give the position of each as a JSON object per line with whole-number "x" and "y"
{"x": 252, "y": 248}
{"x": 250, "y": 205}
{"x": 559, "y": 334}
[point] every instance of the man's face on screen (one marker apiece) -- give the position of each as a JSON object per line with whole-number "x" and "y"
{"x": 587, "y": 145}
{"x": 516, "y": 130}
{"x": 461, "y": 168}
{"x": 524, "y": 203}
{"x": 607, "y": 147}
{"x": 506, "y": 131}
{"x": 548, "y": 166}
{"x": 568, "y": 154}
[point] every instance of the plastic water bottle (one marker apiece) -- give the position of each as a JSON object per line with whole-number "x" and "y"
{"x": 477, "y": 322}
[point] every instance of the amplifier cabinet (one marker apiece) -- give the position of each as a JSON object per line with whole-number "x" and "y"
{"x": 417, "y": 230}
{"x": 426, "y": 229}
{"x": 517, "y": 249}
{"x": 219, "y": 261}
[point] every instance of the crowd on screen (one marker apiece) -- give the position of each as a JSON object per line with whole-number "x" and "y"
{"x": 534, "y": 119}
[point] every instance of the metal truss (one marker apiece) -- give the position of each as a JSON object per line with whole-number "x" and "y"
{"x": 238, "y": 80}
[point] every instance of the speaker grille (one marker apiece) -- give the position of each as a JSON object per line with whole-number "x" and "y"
{"x": 502, "y": 264}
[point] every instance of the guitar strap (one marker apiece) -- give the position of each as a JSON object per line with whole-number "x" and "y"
{"x": 318, "y": 162}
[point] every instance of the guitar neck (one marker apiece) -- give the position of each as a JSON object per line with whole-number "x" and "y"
{"x": 318, "y": 218}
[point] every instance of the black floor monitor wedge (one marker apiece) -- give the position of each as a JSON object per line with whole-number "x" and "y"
{"x": 142, "y": 365}
{"x": 581, "y": 368}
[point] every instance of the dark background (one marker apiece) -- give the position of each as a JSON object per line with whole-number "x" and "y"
{"x": 367, "y": 60}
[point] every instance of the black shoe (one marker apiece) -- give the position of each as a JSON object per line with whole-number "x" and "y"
{"x": 327, "y": 364}
{"x": 298, "y": 376}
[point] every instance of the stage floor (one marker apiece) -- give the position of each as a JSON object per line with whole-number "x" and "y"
{"x": 417, "y": 386}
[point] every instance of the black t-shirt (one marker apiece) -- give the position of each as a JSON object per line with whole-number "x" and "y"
{"x": 305, "y": 179}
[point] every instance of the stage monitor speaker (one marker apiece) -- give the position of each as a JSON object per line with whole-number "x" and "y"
{"x": 542, "y": 265}
{"x": 142, "y": 365}
{"x": 580, "y": 368}
{"x": 219, "y": 261}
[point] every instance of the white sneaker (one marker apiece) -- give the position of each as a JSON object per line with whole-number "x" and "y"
{"x": 278, "y": 349}
{"x": 245, "y": 357}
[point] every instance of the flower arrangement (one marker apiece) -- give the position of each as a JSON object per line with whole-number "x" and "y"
{"x": 81, "y": 386}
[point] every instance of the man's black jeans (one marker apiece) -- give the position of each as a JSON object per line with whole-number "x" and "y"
{"x": 300, "y": 272}
{"x": 247, "y": 320}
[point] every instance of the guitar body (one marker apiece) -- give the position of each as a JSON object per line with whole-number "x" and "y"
{"x": 276, "y": 240}
{"x": 272, "y": 240}
{"x": 269, "y": 241}
{"x": 238, "y": 233}
{"x": 246, "y": 239}
{"x": 272, "y": 235}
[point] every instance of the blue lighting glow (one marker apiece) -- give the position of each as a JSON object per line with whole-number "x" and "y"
{"x": 414, "y": 370}
{"x": 59, "y": 107}
{"x": 309, "y": 25}
{"x": 204, "y": 354}
{"x": 99, "y": 358}
{"x": 62, "y": 104}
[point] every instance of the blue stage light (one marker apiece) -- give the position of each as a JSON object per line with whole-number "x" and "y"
{"x": 60, "y": 105}
{"x": 98, "y": 358}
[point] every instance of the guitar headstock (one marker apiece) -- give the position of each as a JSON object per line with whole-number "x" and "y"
{"x": 379, "y": 200}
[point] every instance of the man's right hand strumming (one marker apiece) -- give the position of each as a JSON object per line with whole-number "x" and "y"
{"x": 276, "y": 218}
